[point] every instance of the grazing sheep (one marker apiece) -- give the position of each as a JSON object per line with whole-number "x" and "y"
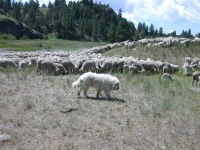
{"x": 199, "y": 81}
{"x": 119, "y": 65}
{"x": 23, "y": 63}
{"x": 149, "y": 67}
{"x": 167, "y": 69}
{"x": 59, "y": 69}
{"x": 139, "y": 67}
{"x": 126, "y": 68}
{"x": 187, "y": 68}
{"x": 49, "y": 67}
{"x": 195, "y": 61}
{"x": 107, "y": 65}
{"x": 160, "y": 66}
{"x": 175, "y": 68}
{"x": 103, "y": 82}
{"x": 130, "y": 68}
{"x": 195, "y": 77}
{"x": 133, "y": 69}
{"x": 167, "y": 76}
{"x": 89, "y": 65}
{"x": 40, "y": 66}
{"x": 188, "y": 60}
{"x": 185, "y": 43}
{"x": 4, "y": 63}
{"x": 69, "y": 65}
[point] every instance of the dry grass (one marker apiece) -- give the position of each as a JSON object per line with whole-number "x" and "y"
{"x": 175, "y": 54}
{"x": 43, "y": 112}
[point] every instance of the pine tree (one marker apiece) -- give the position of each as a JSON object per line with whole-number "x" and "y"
{"x": 120, "y": 14}
{"x": 94, "y": 31}
{"x": 198, "y": 35}
{"x": 112, "y": 33}
{"x": 189, "y": 33}
{"x": 122, "y": 30}
{"x": 173, "y": 33}
{"x": 1, "y": 6}
{"x": 151, "y": 31}
{"x": 156, "y": 33}
{"x": 101, "y": 29}
{"x": 16, "y": 12}
{"x": 160, "y": 32}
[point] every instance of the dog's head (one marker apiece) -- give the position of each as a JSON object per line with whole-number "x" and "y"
{"x": 116, "y": 84}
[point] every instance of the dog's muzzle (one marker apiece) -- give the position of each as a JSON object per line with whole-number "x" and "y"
{"x": 116, "y": 88}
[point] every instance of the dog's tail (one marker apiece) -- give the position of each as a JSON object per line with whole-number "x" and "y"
{"x": 76, "y": 84}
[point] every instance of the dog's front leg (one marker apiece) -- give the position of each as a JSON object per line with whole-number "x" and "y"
{"x": 108, "y": 94}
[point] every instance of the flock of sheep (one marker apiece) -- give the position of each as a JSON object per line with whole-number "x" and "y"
{"x": 167, "y": 41}
{"x": 190, "y": 65}
{"x": 80, "y": 61}
{"x": 84, "y": 60}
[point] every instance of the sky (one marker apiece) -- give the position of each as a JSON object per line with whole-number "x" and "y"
{"x": 172, "y": 15}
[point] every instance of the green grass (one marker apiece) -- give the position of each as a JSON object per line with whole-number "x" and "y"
{"x": 7, "y": 37}
{"x": 32, "y": 45}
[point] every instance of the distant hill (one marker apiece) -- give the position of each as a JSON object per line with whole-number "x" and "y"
{"x": 83, "y": 20}
{"x": 11, "y": 26}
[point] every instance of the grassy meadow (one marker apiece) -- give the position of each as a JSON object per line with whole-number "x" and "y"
{"x": 8, "y": 42}
{"x": 43, "y": 112}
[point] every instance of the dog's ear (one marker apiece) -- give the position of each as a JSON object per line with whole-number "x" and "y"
{"x": 115, "y": 81}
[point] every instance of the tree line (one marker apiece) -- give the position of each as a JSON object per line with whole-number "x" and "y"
{"x": 82, "y": 20}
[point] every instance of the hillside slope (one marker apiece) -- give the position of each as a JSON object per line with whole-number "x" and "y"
{"x": 11, "y": 26}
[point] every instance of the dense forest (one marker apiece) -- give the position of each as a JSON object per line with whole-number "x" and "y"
{"x": 83, "y": 20}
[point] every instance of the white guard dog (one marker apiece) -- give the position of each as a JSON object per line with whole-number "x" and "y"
{"x": 103, "y": 82}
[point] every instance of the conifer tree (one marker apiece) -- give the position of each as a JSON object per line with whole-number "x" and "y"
{"x": 112, "y": 33}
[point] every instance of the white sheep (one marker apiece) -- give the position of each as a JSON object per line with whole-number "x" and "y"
{"x": 167, "y": 76}
{"x": 195, "y": 77}
{"x": 187, "y": 68}
{"x": 188, "y": 60}
{"x": 89, "y": 65}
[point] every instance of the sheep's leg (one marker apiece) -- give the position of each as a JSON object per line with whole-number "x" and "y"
{"x": 98, "y": 92}
{"x": 37, "y": 70}
{"x": 108, "y": 94}
{"x": 192, "y": 80}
